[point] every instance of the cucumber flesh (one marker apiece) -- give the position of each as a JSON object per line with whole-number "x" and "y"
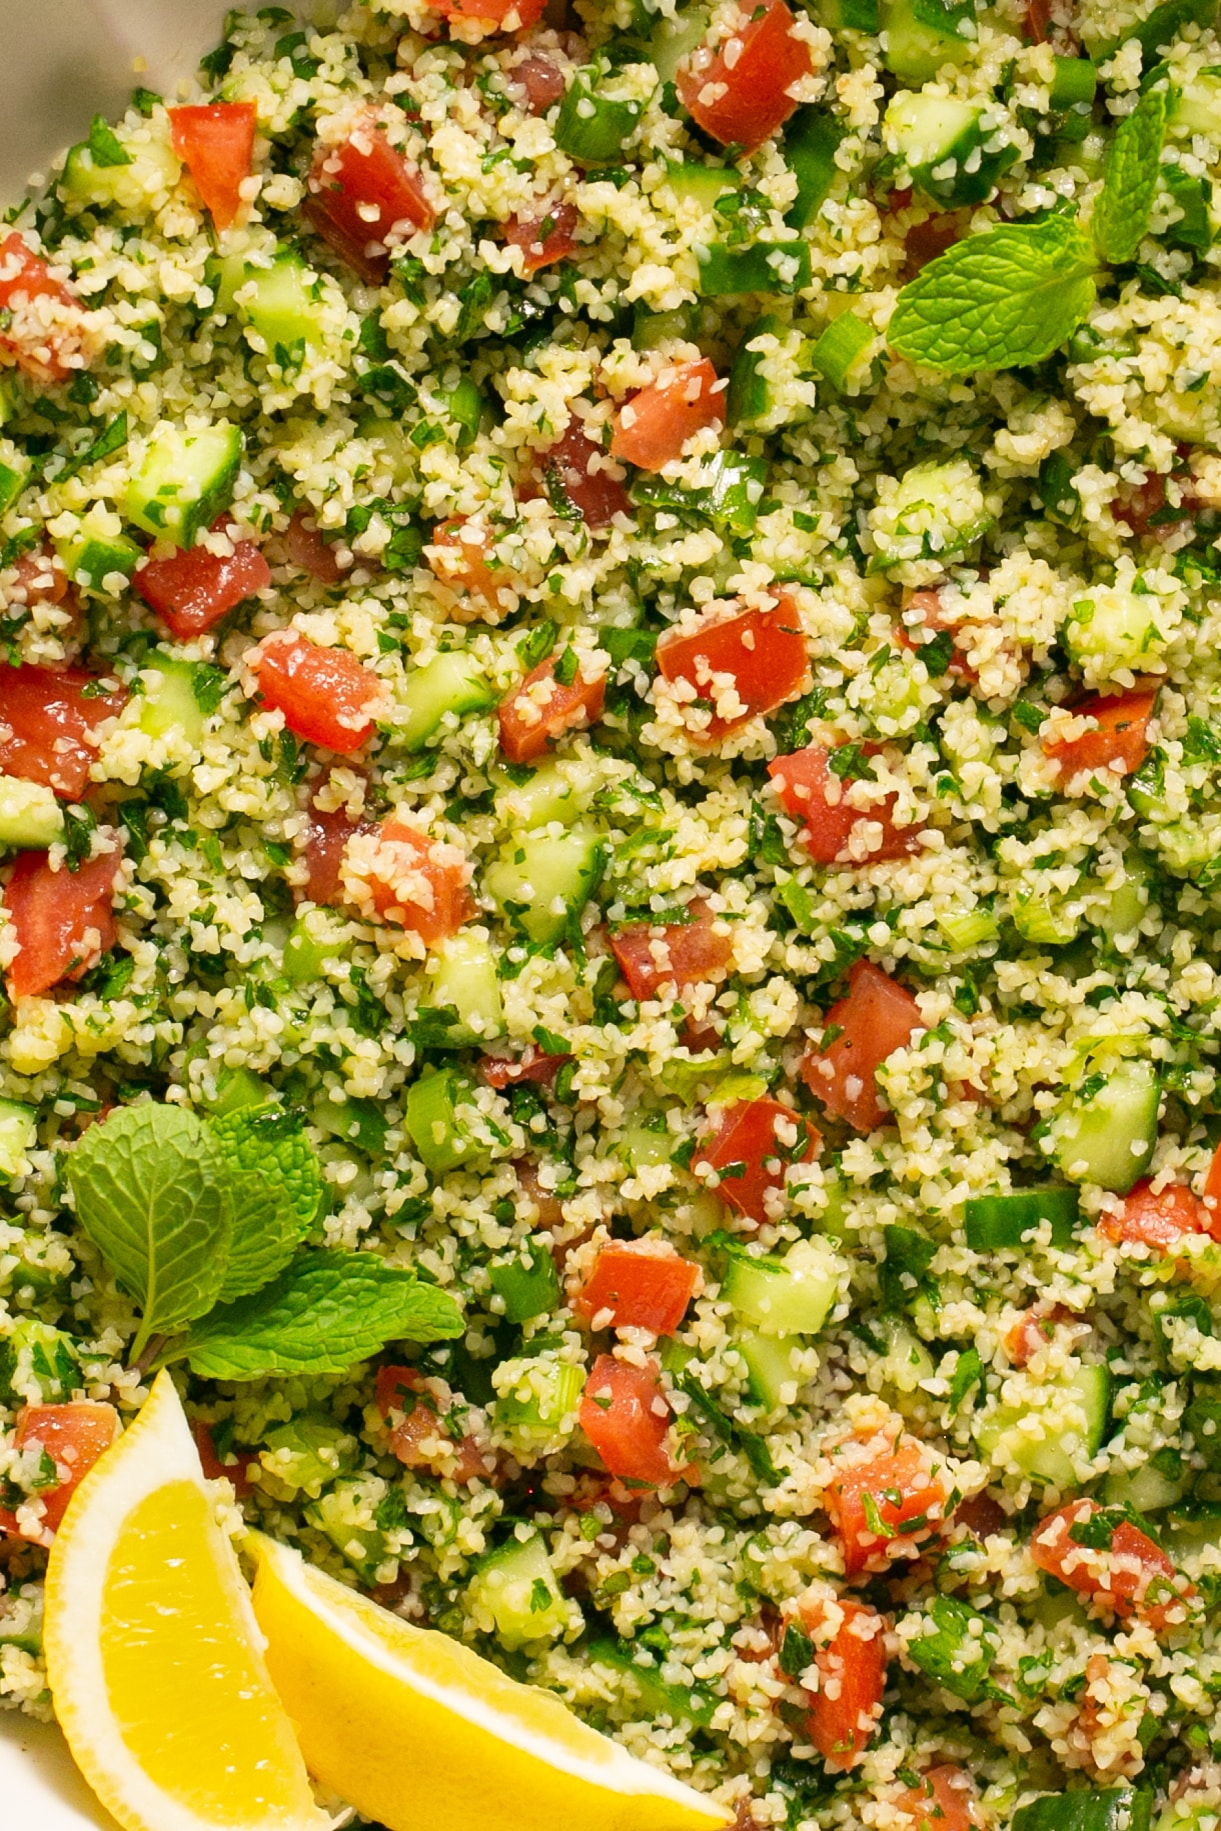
{"x": 97, "y": 557}
{"x": 30, "y": 815}
{"x": 450, "y": 683}
{"x": 465, "y": 981}
{"x": 18, "y": 1130}
{"x": 283, "y": 302}
{"x": 1147, "y": 1489}
{"x": 635, "y": 1678}
{"x": 544, "y": 883}
{"x": 515, "y": 1592}
{"x": 921, "y": 35}
{"x": 701, "y": 184}
{"x": 312, "y": 941}
{"x": 789, "y": 1296}
{"x": 1035, "y": 1438}
{"x": 769, "y": 1366}
{"x": 170, "y": 703}
{"x": 14, "y": 473}
{"x": 673, "y": 40}
{"x": 559, "y": 789}
{"x": 1109, "y": 1137}
{"x": 184, "y": 481}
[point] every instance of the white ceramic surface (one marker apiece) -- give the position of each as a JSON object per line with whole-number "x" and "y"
{"x": 64, "y": 61}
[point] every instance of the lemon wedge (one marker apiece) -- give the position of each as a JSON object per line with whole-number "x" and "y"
{"x": 153, "y": 1653}
{"x": 415, "y": 1729}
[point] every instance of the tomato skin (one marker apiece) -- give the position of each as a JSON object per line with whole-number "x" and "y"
{"x": 501, "y": 1071}
{"x": 542, "y": 246}
{"x": 365, "y": 174}
{"x": 874, "y": 1018}
{"x": 944, "y": 1800}
{"x": 804, "y": 781}
{"x": 747, "y": 1135}
{"x": 653, "y": 427}
{"x": 541, "y": 80}
{"x": 540, "y": 709}
{"x": 905, "y": 1471}
{"x": 755, "y": 102}
{"x": 212, "y": 1466}
{"x": 1132, "y": 1576}
{"x": 493, "y": 13}
{"x": 625, "y": 1416}
{"x": 401, "y": 876}
{"x": 1120, "y": 743}
{"x": 764, "y": 651}
{"x": 74, "y": 1435}
{"x": 50, "y": 715}
{"x": 405, "y": 1390}
{"x": 46, "y": 335}
{"x": 843, "y": 1714}
{"x": 63, "y": 920}
{"x": 576, "y": 465}
{"x": 306, "y": 548}
{"x": 643, "y": 1288}
{"x": 652, "y": 956}
{"x": 1159, "y": 1220}
{"x": 195, "y": 588}
{"x": 216, "y": 144}
{"x": 324, "y": 693}
{"x": 463, "y": 561}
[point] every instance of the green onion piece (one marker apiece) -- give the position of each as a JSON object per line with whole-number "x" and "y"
{"x": 809, "y": 151}
{"x": 768, "y": 267}
{"x": 840, "y": 347}
{"x": 591, "y": 128}
{"x": 1007, "y": 1220}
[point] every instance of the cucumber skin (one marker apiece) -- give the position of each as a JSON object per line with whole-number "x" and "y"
{"x": 165, "y": 500}
{"x": 569, "y": 866}
{"x": 1093, "y": 1143}
{"x": 30, "y": 816}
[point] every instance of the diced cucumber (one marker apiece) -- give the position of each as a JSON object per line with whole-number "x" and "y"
{"x": 905, "y": 1361}
{"x": 674, "y": 37}
{"x": 1003, "y": 1221}
{"x": 789, "y": 1296}
{"x": 38, "y": 1362}
{"x": 18, "y": 1130}
{"x": 1122, "y": 1808}
{"x": 359, "y": 1124}
{"x": 843, "y": 353}
{"x": 1065, "y": 1420}
{"x": 98, "y": 556}
{"x": 544, "y": 883}
{"x": 339, "y": 1514}
{"x": 21, "y": 1622}
{"x": 151, "y": 171}
{"x": 515, "y": 1595}
{"x": 526, "y": 1283}
{"x": 30, "y": 816}
{"x": 701, "y": 185}
{"x": 283, "y": 302}
{"x": 1123, "y": 906}
{"x": 750, "y": 396}
{"x": 647, "y": 1142}
{"x": 811, "y": 140}
{"x": 921, "y": 35}
{"x": 184, "y": 480}
{"x": 1044, "y": 918}
{"x": 464, "y": 979}
{"x": 944, "y": 145}
{"x": 445, "y": 1124}
{"x": 1075, "y": 83}
{"x": 957, "y": 1647}
{"x": 1156, "y": 1484}
{"x": 170, "y": 702}
{"x": 1108, "y": 1128}
{"x": 637, "y": 1679}
{"x": 767, "y": 386}
{"x": 312, "y": 940}
{"x": 449, "y": 683}
{"x": 848, "y": 15}
{"x": 933, "y": 513}
{"x": 1115, "y": 630}
{"x": 561, "y": 788}
{"x": 769, "y": 1366}
{"x": 537, "y": 1403}
{"x": 651, "y": 329}
{"x": 308, "y": 1452}
{"x": 14, "y": 473}
{"x": 764, "y": 267}
{"x": 1196, "y": 104}
{"x": 971, "y": 929}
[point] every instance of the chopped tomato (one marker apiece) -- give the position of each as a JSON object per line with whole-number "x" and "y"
{"x": 237, "y": 1471}
{"x": 325, "y": 694}
{"x": 402, "y": 876}
{"x": 545, "y": 1200}
{"x": 927, "y": 241}
{"x": 500, "y": 15}
{"x": 501, "y": 1071}
{"x": 1119, "y": 740}
{"x": 867, "y": 1025}
{"x": 923, "y": 614}
{"x": 63, "y": 920}
{"x": 758, "y": 659}
{"x": 625, "y": 1416}
{"x": 307, "y": 549}
{"x": 542, "y": 81}
{"x": 942, "y": 1800}
{"x": 750, "y": 1150}
{"x": 1157, "y": 1219}
{"x": 541, "y": 708}
{"x": 638, "y": 1285}
{"x": 73, "y": 1436}
{"x": 579, "y": 468}
{"x": 43, "y": 328}
{"x": 545, "y": 236}
{"x": 1119, "y": 1569}
{"x": 216, "y": 144}
{"x": 35, "y": 578}
{"x": 1143, "y": 507}
{"x": 886, "y": 1506}
{"x": 811, "y": 791}
{"x": 1037, "y": 23}
{"x": 981, "y": 1515}
{"x": 326, "y": 844}
{"x": 419, "y": 1436}
{"x": 364, "y": 195}
{"x": 739, "y": 92}
{"x": 656, "y": 955}
{"x": 1025, "y": 1339}
{"x": 654, "y": 426}
{"x": 48, "y": 721}
{"x": 464, "y": 561}
{"x": 195, "y": 588}
{"x": 1212, "y": 1194}
{"x": 844, "y": 1712}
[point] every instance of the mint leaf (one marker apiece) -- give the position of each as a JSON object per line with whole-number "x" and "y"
{"x": 151, "y": 1193}
{"x": 997, "y": 301}
{"x": 1121, "y": 214}
{"x": 326, "y": 1311}
{"x": 276, "y": 1186}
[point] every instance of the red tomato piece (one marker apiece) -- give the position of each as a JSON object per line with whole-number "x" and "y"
{"x": 809, "y": 790}
{"x": 500, "y": 15}
{"x": 844, "y": 1712}
{"x": 237, "y": 1471}
{"x": 63, "y": 920}
{"x": 925, "y": 241}
{"x": 886, "y": 1507}
{"x": 759, "y": 657}
{"x": 326, "y": 844}
{"x": 541, "y": 709}
{"x": 195, "y": 588}
{"x": 544, "y": 237}
{"x": 1157, "y": 1219}
{"x": 625, "y": 1416}
{"x": 364, "y": 195}
{"x": 307, "y": 549}
{"x": 1024, "y": 1340}
{"x": 654, "y": 426}
{"x": 874, "y": 1018}
{"x": 1212, "y": 1195}
{"x": 45, "y": 330}
{"x": 48, "y": 721}
{"x": 216, "y": 144}
{"x": 542, "y": 81}
{"x": 420, "y": 1436}
{"x": 465, "y": 561}
{"x": 35, "y": 578}
{"x": 325, "y": 694}
{"x": 579, "y": 468}
{"x": 679, "y": 954}
{"x": 1119, "y": 740}
{"x": 73, "y": 1436}
{"x": 1127, "y": 1575}
{"x": 549, "y": 1208}
{"x": 1037, "y": 23}
{"x": 942, "y": 1800}
{"x": 923, "y": 612}
{"x": 750, "y": 1150}
{"x": 641, "y": 1284}
{"x": 501, "y": 1071}
{"x": 401, "y": 876}
{"x": 739, "y": 92}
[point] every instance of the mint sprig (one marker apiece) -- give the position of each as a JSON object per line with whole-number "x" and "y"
{"x": 1122, "y": 211}
{"x": 276, "y": 1188}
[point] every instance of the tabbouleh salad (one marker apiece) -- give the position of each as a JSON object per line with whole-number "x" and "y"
{"x": 611, "y": 766}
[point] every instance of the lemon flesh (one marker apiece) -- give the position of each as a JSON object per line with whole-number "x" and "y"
{"x": 153, "y": 1653}
{"x": 414, "y": 1729}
